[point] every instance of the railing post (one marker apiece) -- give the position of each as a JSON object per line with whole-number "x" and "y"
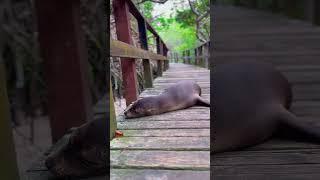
{"x": 128, "y": 66}
{"x": 200, "y": 54}
{"x": 8, "y": 163}
{"x": 146, "y": 62}
{"x": 159, "y": 51}
{"x": 196, "y": 57}
{"x": 165, "y": 53}
{"x": 183, "y": 56}
{"x": 206, "y": 54}
{"x": 113, "y": 120}
{"x": 188, "y": 56}
{"x": 66, "y": 66}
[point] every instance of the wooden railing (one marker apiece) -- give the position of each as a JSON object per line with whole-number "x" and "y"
{"x": 302, "y": 9}
{"x": 198, "y": 56}
{"x": 124, "y": 49}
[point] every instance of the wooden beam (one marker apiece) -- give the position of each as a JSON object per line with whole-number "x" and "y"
{"x": 128, "y": 66}
{"x": 8, "y": 163}
{"x": 113, "y": 121}
{"x": 121, "y": 49}
{"x": 66, "y": 66}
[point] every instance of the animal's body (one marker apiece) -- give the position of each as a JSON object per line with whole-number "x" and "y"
{"x": 181, "y": 95}
{"x": 82, "y": 152}
{"x": 250, "y": 104}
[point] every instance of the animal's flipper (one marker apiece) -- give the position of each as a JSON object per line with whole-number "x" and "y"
{"x": 299, "y": 128}
{"x": 202, "y": 102}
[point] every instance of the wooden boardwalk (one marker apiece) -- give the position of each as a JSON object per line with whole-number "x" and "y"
{"x": 293, "y": 46}
{"x": 174, "y": 145}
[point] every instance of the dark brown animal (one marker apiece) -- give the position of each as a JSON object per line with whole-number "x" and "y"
{"x": 82, "y": 152}
{"x": 181, "y": 95}
{"x": 251, "y": 102}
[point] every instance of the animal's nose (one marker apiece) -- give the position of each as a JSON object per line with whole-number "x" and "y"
{"x": 49, "y": 163}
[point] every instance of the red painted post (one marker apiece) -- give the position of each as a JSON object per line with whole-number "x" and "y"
{"x": 128, "y": 66}
{"x": 66, "y": 67}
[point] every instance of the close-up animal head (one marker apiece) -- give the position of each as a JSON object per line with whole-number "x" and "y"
{"x": 141, "y": 107}
{"x": 81, "y": 153}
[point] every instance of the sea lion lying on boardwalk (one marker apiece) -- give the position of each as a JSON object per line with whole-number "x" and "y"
{"x": 82, "y": 152}
{"x": 181, "y": 95}
{"x": 251, "y": 102}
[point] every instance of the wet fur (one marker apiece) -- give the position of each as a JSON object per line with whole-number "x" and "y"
{"x": 81, "y": 152}
{"x": 181, "y": 95}
{"x": 252, "y": 102}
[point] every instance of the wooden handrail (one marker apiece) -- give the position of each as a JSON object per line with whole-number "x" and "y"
{"x": 201, "y": 57}
{"x": 121, "y": 49}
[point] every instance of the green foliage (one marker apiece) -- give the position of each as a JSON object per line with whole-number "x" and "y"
{"x": 147, "y": 9}
{"x": 186, "y": 18}
{"x": 176, "y": 36}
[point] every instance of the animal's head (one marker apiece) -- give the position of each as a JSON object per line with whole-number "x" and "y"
{"x": 142, "y": 107}
{"x": 82, "y": 152}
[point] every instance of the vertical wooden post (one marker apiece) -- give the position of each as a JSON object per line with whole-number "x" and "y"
{"x": 159, "y": 51}
{"x": 196, "y": 57}
{"x": 128, "y": 66}
{"x": 66, "y": 67}
{"x": 188, "y": 56}
{"x": 144, "y": 45}
{"x": 183, "y": 57}
{"x": 113, "y": 121}
{"x": 206, "y": 54}
{"x": 8, "y": 163}
{"x": 200, "y": 54}
{"x": 165, "y": 53}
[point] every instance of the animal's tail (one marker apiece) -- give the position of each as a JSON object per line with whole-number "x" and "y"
{"x": 202, "y": 102}
{"x": 300, "y": 128}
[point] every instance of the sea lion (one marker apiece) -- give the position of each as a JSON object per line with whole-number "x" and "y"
{"x": 82, "y": 152}
{"x": 181, "y": 95}
{"x": 251, "y": 102}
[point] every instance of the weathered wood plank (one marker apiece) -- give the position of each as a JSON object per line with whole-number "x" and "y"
{"x": 129, "y": 174}
{"x": 261, "y": 176}
{"x": 164, "y": 124}
{"x": 274, "y": 157}
{"x": 284, "y": 169}
{"x": 167, "y": 133}
{"x": 161, "y": 143}
{"x": 188, "y": 160}
{"x": 121, "y": 49}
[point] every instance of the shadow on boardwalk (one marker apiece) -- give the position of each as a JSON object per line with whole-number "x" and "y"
{"x": 293, "y": 47}
{"x": 174, "y": 145}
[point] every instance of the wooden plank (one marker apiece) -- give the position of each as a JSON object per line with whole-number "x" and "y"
{"x": 261, "y": 176}
{"x": 66, "y": 66}
{"x": 167, "y": 133}
{"x": 275, "y": 157}
{"x": 121, "y": 49}
{"x": 112, "y": 118}
{"x": 128, "y": 66}
{"x": 161, "y": 143}
{"x": 187, "y": 160}
{"x": 164, "y": 124}
{"x": 284, "y": 169}
{"x": 129, "y": 174}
